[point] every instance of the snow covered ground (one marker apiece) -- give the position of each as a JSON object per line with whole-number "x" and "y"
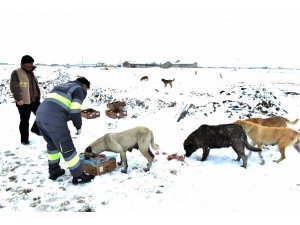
{"x": 216, "y": 186}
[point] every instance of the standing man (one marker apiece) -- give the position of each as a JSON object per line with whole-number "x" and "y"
{"x": 63, "y": 104}
{"x": 26, "y": 92}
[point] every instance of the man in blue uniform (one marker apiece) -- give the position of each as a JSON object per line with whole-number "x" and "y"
{"x": 60, "y": 106}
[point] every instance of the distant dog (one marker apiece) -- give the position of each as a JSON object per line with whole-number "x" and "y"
{"x": 135, "y": 138}
{"x": 166, "y": 82}
{"x": 263, "y": 135}
{"x": 220, "y": 136}
{"x": 144, "y": 78}
{"x": 276, "y": 121}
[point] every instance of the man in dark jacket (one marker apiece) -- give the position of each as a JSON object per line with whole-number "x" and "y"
{"x": 60, "y": 106}
{"x": 26, "y": 92}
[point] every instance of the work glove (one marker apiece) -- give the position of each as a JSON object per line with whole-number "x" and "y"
{"x": 78, "y": 131}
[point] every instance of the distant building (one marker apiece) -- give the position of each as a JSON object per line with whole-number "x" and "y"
{"x": 138, "y": 65}
{"x": 165, "y": 65}
{"x": 185, "y": 65}
{"x": 100, "y": 64}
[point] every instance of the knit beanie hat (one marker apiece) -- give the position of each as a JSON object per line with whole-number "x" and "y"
{"x": 27, "y": 59}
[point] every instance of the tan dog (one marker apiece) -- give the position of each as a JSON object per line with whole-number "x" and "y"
{"x": 138, "y": 138}
{"x": 144, "y": 78}
{"x": 263, "y": 135}
{"x": 166, "y": 82}
{"x": 276, "y": 121}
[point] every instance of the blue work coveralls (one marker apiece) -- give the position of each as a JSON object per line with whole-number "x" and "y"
{"x": 61, "y": 105}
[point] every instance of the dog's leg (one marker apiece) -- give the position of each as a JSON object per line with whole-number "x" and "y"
{"x": 260, "y": 146}
{"x": 261, "y": 159}
{"x": 205, "y": 153}
{"x": 124, "y": 161}
{"x": 240, "y": 151}
{"x": 145, "y": 152}
{"x": 282, "y": 155}
{"x": 117, "y": 148}
{"x": 120, "y": 162}
{"x": 244, "y": 162}
{"x": 151, "y": 153}
{"x": 244, "y": 158}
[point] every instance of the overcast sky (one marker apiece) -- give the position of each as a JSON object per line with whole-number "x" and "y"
{"x": 212, "y": 32}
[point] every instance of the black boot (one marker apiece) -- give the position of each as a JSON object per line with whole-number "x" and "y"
{"x": 84, "y": 178}
{"x": 57, "y": 175}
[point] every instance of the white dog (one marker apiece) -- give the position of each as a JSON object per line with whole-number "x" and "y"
{"x": 138, "y": 138}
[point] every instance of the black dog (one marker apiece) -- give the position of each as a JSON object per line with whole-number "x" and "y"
{"x": 220, "y": 136}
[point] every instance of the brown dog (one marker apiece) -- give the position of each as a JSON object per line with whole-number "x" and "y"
{"x": 263, "y": 135}
{"x": 276, "y": 121}
{"x": 166, "y": 82}
{"x": 144, "y": 78}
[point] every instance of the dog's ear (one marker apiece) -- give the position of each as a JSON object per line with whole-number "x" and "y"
{"x": 88, "y": 149}
{"x": 237, "y": 122}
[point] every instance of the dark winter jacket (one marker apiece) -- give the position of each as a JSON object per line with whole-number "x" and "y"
{"x": 63, "y": 104}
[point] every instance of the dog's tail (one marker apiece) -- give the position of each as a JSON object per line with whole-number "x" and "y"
{"x": 153, "y": 145}
{"x": 250, "y": 147}
{"x": 291, "y": 122}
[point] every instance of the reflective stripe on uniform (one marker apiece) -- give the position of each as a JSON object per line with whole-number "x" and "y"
{"x": 74, "y": 106}
{"x": 53, "y": 156}
{"x": 60, "y": 98}
{"x": 73, "y": 161}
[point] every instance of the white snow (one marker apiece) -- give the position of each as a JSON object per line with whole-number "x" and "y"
{"x": 173, "y": 189}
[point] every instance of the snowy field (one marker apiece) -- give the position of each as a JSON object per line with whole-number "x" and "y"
{"x": 218, "y": 185}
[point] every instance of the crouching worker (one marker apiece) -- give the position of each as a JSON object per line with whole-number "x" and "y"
{"x": 60, "y": 106}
